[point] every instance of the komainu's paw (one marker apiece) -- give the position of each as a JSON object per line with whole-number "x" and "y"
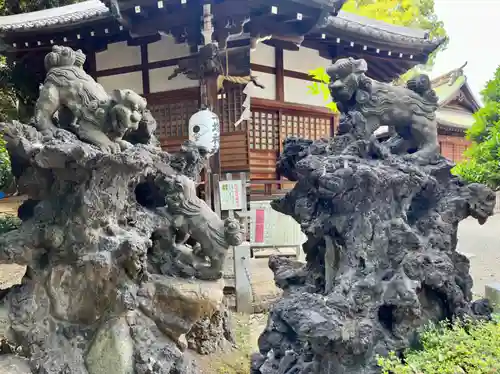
{"x": 124, "y": 144}
{"x": 110, "y": 147}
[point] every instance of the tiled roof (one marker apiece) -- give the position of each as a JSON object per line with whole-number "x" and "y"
{"x": 445, "y": 90}
{"x": 65, "y": 15}
{"x": 380, "y": 33}
{"x": 365, "y": 30}
{"x": 454, "y": 118}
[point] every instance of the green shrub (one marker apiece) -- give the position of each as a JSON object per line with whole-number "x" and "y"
{"x": 8, "y": 223}
{"x": 5, "y": 166}
{"x": 472, "y": 348}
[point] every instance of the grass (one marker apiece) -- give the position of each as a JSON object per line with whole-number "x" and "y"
{"x": 237, "y": 361}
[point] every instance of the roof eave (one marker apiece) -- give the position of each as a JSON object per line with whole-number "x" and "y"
{"x": 57, "y": 27}
{"x": 54, "y": 18}
{"x": 374, "y": 37}
{"x": 474, "y": 101}
{"x": 443, "y": 124}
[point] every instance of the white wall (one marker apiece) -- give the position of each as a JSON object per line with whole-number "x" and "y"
{"x": 118, "y": 55}
{"x": 132, "y": 81}
{"x": 297, "y": 91}
{"x": 269, "y": 82}
{"x": 263, "y": 55}
{"x": 304, "y": 60}
{"x": 158, "y": 80}
{"x": 166, "y": 49}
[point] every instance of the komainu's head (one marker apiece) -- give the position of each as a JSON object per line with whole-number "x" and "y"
{"x": 63, "y": 56}
{"x": 347, "y": 76}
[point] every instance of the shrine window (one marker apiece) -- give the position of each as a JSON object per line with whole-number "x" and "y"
{"x": 263, "y": 130}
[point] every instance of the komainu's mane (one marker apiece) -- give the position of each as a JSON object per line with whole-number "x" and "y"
{"x": 91, "y": 94}
{"x": 383, "y": 96}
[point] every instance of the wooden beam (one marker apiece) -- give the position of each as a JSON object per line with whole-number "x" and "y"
{"x": 133, "y": 68}
{"x": 286, "y": 73}
{"x": 279, "y": 76}
{"x": 192, "y": 93}
{"x": 276, "y": 105}
{"x": 117, "y": 71}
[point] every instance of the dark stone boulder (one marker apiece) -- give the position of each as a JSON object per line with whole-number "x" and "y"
{"x": 381, "y": 255}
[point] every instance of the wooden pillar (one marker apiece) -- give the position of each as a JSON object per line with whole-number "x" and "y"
{"x": 144, "y": 69}
{"x": 280, "y": 74}
{"x": 91, "y": 63}
{"x": 280, "y": 96}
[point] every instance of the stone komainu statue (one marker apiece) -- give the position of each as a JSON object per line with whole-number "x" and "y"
{"x": 409, "y": 112}
{"x": 71, "y": 99}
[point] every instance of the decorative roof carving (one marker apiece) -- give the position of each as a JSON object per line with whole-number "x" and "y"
{"x": 65, "y": 15}
{"x": 451, "y": 77}
{"x": 453, "y": 85}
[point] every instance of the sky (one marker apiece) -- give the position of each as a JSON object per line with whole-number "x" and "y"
{"x": 473, "y": 27}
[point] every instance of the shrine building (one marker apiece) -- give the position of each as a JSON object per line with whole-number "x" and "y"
{"x": 139, "y": 44}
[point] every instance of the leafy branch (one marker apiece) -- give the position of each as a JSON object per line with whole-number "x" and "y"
{"x": 320, "y": 87}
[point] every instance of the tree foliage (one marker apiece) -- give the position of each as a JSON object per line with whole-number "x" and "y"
{"x": 409, "y": 13}
{"x": 482, "y": 158}
{"x": 9, "y": 7}
{"x": 8, "y": 222}
{"x": 6, "y": 177}
{"x": 320, "y": 87}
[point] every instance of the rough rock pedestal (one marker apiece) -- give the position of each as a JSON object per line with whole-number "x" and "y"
{"x": 381, "y": 228}
{"x": 123, "y": 259}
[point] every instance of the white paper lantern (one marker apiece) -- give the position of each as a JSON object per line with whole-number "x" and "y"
{"x": 204, "y": 130}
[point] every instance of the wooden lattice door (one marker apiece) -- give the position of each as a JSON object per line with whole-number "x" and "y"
{"x": 172, "y": 119}
{"x": 304, "y": 125}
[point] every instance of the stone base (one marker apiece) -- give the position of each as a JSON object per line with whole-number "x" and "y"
{"x": 104, "y": 290}
{"x": 149, "y": 339}
{"x": 381, "y": 256}
{"x": 10, "y": 364}
{"x": 492, "y": 293}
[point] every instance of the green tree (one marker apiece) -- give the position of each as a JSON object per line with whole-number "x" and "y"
{"x": 482, "y": 158}
{"x": 9, "y": 7}
{"x": 6, "y": 177}
{"x": 410, "y": 13}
